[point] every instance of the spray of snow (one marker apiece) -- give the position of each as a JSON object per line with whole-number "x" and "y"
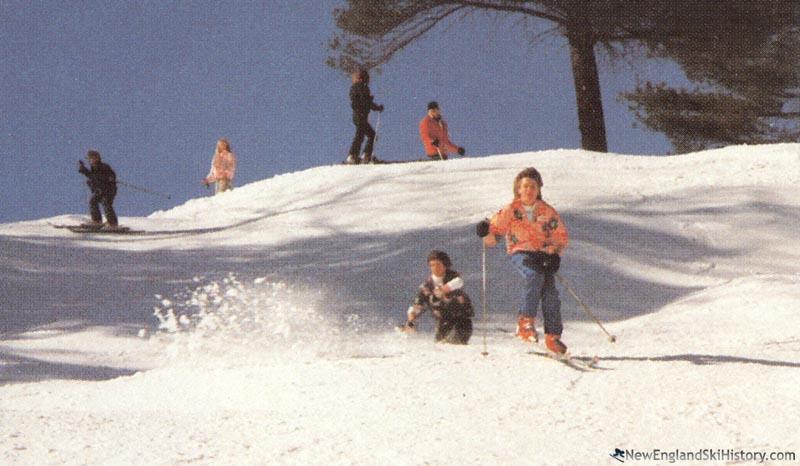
{"x": 233, "y": 319}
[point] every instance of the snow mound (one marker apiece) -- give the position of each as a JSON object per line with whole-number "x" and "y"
{"x": 270, "y": 338}
{"x": 745, "y": 314}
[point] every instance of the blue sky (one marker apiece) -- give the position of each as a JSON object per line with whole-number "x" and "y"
{"x": 153, "y": 84}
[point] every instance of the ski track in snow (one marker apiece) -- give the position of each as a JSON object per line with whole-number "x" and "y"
{"x": 256, "y": 327}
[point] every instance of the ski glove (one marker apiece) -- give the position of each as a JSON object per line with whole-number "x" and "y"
{"x": 482, "y": 229}
{"x": 435, "y": 142}
{"x": 543, "y": 262}
{"x": 551, "y": 263}
{"x": 461, "y": 151}
{"x": 380, "y": 108}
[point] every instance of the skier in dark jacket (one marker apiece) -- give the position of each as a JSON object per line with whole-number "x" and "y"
{"x": 443, "y": 295}
{"x": 361, "y": 101}
{"x": 102, "y": 182}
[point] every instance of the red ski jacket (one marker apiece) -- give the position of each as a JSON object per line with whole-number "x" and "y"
{"x": 430, "y": 130}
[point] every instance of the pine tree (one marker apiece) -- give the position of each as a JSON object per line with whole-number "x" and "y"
{"x": 690, "y": 32}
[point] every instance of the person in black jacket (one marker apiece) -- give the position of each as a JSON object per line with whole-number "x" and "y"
{"x": 102, "y": 182}
{"x": 361, "y": 101}
{"x": 443, "y": 294}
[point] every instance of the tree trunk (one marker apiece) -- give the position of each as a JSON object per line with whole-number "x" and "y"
{"x": 587, "y": 87}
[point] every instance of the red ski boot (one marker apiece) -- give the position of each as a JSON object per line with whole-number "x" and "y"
{"x": 554, "y": 343}
{"x": 526, "y": 329}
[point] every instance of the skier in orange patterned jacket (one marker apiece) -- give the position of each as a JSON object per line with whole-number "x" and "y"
{"x": 433, "y": 133}
{"x": 535, "y": 238}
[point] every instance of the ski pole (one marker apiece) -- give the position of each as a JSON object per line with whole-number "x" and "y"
{"x": 611, "y": 337}
{"x": 144, "y": 190}
{"x": 375, "y": 141}
{"x": 441, "y": 126}
{"x": 483, "y": 263}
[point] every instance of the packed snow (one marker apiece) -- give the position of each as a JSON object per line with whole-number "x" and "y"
{"x": 258, "y": 326}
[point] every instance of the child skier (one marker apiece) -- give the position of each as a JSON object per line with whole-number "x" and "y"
{"x": 223, "y": 166}
{"x": 442, "y": 294}
{"x": 535, "y": 238}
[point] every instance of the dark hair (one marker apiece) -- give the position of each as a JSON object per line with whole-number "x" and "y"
{"x": 433, "y": 105}
{"x": 440, "y": 256}
{"x": 93, "y": 154}
{"x": 531, "y": 173}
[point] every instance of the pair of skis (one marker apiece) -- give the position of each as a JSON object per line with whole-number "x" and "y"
{"x": 97, "y": 229}
{"x": 579, "y": 363}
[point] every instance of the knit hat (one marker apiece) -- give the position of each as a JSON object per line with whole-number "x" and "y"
{"x": 440, "y": 256}
{"x": 93, "y": 154}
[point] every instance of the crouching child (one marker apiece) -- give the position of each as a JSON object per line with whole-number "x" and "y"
{"x": 442, "y": 293}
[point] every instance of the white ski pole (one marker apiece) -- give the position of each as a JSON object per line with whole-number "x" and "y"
{"x": 375, "y": 141}
{"x": 143, "y": 189}
{"x": 483, "y": 262}
{"x": 441, "y": 126}
{"x": 611, "y": 338}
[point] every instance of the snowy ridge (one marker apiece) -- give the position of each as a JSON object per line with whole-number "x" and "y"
{"x": 256, "y": 327}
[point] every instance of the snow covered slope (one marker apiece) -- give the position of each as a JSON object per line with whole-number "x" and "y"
{"x": 255, "y": 327}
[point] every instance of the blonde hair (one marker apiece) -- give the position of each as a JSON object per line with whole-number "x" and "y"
{"x": 360, "y": 74}
{"x": 222, "y": 142}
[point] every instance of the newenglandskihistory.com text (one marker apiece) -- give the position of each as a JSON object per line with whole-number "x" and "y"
{"x": 709, "y": 454}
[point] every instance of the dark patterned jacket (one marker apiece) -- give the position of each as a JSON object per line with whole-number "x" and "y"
{"x": 454, "y": 305}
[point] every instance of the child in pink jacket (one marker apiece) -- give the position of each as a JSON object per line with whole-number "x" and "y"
{"x": 223, "y": 165}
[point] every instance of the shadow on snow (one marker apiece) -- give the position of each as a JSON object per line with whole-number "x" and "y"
{"x": 49, "y": 280}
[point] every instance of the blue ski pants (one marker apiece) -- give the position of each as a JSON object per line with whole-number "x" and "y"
{"x": 538, "y": 287}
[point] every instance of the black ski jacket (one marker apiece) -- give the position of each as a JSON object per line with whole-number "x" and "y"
{"x": 101, "y": 179}
{"x": 361, "y": 101}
